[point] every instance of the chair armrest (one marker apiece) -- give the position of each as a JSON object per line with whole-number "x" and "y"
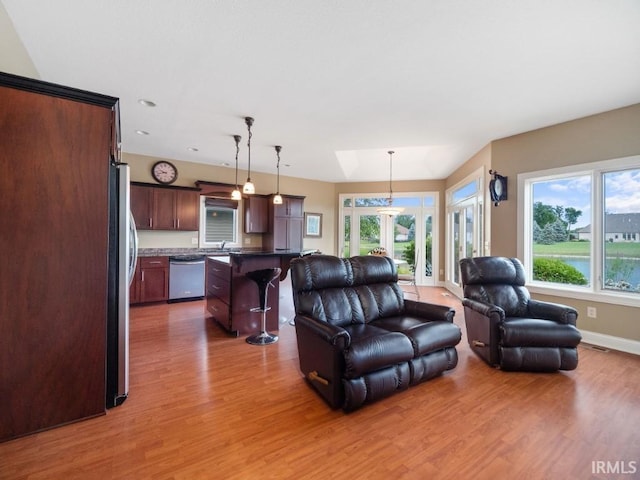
{"x": 336, "y": 336}
{"x": 486, "y": 309}
{"x": 430, "y": 311}
{"x": 553, "y": 311}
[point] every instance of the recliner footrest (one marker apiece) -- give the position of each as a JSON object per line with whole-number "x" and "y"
{"x": 375, "y": 386}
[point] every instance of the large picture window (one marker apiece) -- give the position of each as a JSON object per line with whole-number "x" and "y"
{"x": 581, "y": 227}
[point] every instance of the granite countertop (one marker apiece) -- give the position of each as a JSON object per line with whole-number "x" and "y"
{"x": 213, "y": 252}
{"x": 169, "y": 252}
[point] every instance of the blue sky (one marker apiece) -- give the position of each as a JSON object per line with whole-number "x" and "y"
{"x": 622, "y": 194}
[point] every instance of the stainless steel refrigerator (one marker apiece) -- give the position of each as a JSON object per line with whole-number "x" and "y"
{"x": 122, "y": 263}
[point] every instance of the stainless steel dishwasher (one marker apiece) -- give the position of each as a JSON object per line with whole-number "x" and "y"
{"x": 186, "y": 277}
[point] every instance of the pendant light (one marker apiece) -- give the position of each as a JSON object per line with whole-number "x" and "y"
{"x": 236, "y": 195}
{"x": 277, "y": 199}
{"x": 390, "y": 209}
{"x": 249, "y": 188}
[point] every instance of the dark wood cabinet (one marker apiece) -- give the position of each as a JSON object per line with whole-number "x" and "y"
{"x": 231, "y": 295}
{"x": 142, "y": 206}
{"x": 291, "y": 206}
{"x": 218, "y": 291}
{"x": 187, "y": 205}
{"x": 285, "y": 224}
{"x": 165, "y": 208}
{"x": 54, "y": 212}
{"x": 256, "y": 210}
{"x": 151, "y": 280}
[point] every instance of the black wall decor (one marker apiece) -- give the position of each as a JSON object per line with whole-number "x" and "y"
{"x": 497, "y": 187}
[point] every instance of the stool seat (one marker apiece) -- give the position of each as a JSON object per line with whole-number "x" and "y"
{"x": 263, "y": 279}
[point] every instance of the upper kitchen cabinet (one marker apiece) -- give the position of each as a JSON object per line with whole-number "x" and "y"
{"x": 256, "y": 209}
{"x": 285, "y": 224}
{"x": 291, "y": 206}
{"x": 165, "y": 208}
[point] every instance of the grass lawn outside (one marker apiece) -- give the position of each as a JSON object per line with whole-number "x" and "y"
{"x": 582, "y": 249}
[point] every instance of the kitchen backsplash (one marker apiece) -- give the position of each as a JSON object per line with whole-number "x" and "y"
{"x": 167, "y": 239}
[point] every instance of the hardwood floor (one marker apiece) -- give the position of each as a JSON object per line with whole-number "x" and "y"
{"x": 204, "y": 405}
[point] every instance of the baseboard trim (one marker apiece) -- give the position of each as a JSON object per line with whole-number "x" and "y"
{"x": 609, "y": 341}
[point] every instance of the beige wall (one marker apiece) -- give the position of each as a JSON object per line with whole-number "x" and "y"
{"x": 319, "y": 198}
{"x": 605, "y": 136}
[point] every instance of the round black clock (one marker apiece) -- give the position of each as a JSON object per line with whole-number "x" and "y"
{"x": 164, "y": 172}
{"x": 497, "y": 188}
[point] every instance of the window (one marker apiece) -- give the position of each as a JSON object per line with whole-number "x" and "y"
{"x": 580, "y": 228}
{"x": 408, "y": 237}
{"x": 218, "y": 222}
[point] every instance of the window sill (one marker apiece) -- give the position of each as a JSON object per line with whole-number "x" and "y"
{"x": 624, "y": 299}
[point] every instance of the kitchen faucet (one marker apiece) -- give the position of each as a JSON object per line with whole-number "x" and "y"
{"x": 224, "y": 242}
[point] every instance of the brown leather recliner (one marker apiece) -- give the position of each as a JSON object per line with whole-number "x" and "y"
{"x": 358, "y": 339}
{"x": 506, "y": 327}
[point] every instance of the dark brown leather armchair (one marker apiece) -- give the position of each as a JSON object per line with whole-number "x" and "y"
{"x": 358, "y": 339}
{"x": 506, "y": 327}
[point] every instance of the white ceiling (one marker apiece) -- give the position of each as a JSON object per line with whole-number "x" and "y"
{"x": 338, "y": 83}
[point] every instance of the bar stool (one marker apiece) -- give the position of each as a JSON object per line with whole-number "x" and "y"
{"x": 263, "y": 279}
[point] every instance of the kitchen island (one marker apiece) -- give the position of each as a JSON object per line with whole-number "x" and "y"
{"x": 231, "y": 295}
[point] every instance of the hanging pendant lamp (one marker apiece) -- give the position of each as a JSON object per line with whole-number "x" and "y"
{"x": 249, "y": 188}
{"x": 277, "y": 199}
{"x": 236, "y": 195}
{"x": 389, "y": 209}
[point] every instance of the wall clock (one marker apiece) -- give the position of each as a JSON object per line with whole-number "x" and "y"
{"x": 497, "y": 188}
{"x": 164, "y": 172}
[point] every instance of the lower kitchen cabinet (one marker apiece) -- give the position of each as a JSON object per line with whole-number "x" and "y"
{"x": 150, "y": 281}
{"x": 218, "y": 291}
{"x": 231, "y": 295}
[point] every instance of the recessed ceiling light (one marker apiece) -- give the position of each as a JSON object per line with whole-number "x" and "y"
{"x": 146, "y": 103}
{"x": 142, "y": 132}
{"x": 192, "y": 149}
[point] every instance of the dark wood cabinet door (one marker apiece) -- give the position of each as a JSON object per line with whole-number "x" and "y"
{"x": 187, "y": 210}
{"x": 280, "y": 233}
{"x": 164, "y": 217}
{"x": 154, "y": 279}
{"x": 295, "y": 207}
{"x": 141, "y": 206}
{"x": 256, "y": 214}
{"x": 294, "y": 233}
{"x": 290, "y": 207}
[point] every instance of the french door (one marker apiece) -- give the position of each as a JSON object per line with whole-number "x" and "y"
{"x": 408, "y": 237}
{"x": 465, "y": 229}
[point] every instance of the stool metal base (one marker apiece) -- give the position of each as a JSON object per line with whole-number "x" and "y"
{"x": 262, "y": 338}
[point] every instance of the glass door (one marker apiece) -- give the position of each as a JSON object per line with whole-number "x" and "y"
{"x": 464, "y": 229}
{"x": 408, "y": 237}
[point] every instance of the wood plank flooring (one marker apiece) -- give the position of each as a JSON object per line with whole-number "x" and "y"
{"x": 203, "y": 405}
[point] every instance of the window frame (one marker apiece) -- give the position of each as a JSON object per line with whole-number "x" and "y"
{"x": 595, "y": 170}
{"x": 202, "y": 243}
